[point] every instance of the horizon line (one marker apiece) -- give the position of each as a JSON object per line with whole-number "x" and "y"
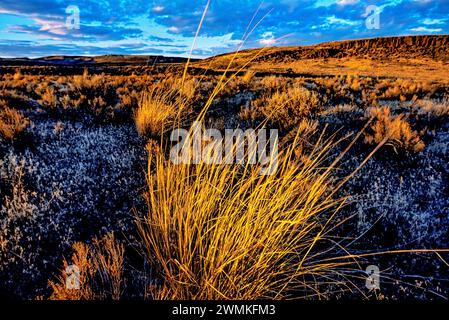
{"x": 186, "y": 56}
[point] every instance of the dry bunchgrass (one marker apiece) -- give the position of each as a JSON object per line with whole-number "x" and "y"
{"x": 306, "y": 130}
{"x": 404, "y": 89}
{"x": 227, "y": 232}
{"x": 395, "y": 129}
{"x": 100, "y": 268}
{"x": 434, "y": 109}
{"x": 287, "y": 108}
{"x": 12, "y": 123}
{"x": 49, "y": 98}
{"x": 272, "y": 83}
{"x": 162, "y": 107}
{"x": 157, "y": 111}
{"x": 18, "y": 75}
{"x": 248, "y": 76}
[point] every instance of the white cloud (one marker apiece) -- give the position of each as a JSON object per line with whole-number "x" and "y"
{"x": 267, "y": 39}
{"x": 347, "y": 2}
{"x": 6, "y": 11}
{"x": 173, "y": 29}
{"x": 267, "y": 34}
{"x": 267, "y": 42}
{"x": 346, "y": 22}
{"x": 51, "y": 26}
{"x": 429, "y": 22}
{"x": 425, "y": 29}
{"x": 158, "y": 9}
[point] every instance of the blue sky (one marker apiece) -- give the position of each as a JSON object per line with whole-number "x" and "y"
{"x": 36, "y": 28}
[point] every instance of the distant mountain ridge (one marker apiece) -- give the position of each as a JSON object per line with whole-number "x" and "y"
{"x": 86, "y": 60}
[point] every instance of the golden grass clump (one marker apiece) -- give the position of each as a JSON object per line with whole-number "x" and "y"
{"x": 436, "y": 109}
{"x": 395, "y": 129}
{"x": 187, "y": 88}
{"x": 86, "y": 81}
{"x": 248, "y": 76}
{"x": 273, "y": 82}
{"x": 49, "y": 98}
{"x": 226, "y": 232}
{"x": 404, "y": 89}
{"x": 306, "y": 130}
{"x": 248, "y": 113}
{"x": 287, "y": 108}
{"x": 100, "y": 268}
{"x": 157, "y": 112}
{"x": 12, "y": 123}
{"x": 18, "y": 75}
{"x": 164, "y": 105}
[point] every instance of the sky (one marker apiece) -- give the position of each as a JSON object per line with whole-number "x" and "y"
{"x": 35, "y": 28}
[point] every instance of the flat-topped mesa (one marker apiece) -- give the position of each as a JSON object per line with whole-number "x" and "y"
{"x": 435, "y": 47}
{"x": 406, "y": 47}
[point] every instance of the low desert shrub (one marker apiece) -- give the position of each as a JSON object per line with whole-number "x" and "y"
{"x": 164, "y": 105}
{"x": 12, "y": 124}
{"x": 15, "y": 197}
{"x": 272, "y": 83}
{"x": 305, "y": 131}
{"x": 49, "y": 98}
{"x": 434, "y": 108}
{"x": 342, "y": 109}
{"x": 288, "y": 107}
{"x": 157, "y": 112}
{"x": 395, "y": 129}
{"x": 404, "y": 89}
{"x": 248, "y": 76}
{"x": 18, "y": 75}
{"x": 100, "y": 269}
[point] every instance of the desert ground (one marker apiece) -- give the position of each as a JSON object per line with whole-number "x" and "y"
{"x": 78, "y": 138}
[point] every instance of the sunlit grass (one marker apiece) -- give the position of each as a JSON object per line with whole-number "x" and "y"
{"x": 161, "y": 108}
{"x": 227, "y": 232}
{"x": 12, "y": 123}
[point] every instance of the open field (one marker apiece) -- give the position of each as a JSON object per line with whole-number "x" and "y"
{"x": 85, "y": 177}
